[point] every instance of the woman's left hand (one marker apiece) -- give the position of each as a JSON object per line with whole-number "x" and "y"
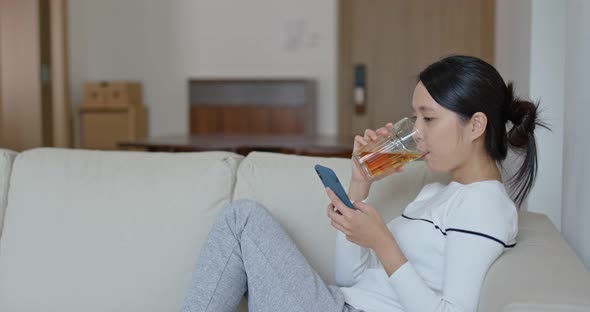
{"x": 364, "y": 227}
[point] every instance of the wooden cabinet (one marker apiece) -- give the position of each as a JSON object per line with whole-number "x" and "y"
{"x": 104, "y": 128}
{"x": 112, "y": 94}
{"x": 252, "y": 106}
{"x": 112, "y": 112}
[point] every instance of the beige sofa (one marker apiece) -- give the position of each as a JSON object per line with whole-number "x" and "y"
{"x": 120, "y": 231}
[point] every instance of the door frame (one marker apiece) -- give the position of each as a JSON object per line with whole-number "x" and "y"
{"x": 33, "y": 112}
{"x": 62, "y": 116}
{"x": 343, "y": 96}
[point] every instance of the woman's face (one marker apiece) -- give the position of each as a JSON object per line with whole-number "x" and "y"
{"x": 442, "y": 133}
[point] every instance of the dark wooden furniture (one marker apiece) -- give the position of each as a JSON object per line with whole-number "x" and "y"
{"x": 252, "y": 106}
{"x": 326, "y": 146}
{"x": 273, "y": 115}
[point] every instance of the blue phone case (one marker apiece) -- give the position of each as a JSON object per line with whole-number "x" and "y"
{"x": 329, "y": 179}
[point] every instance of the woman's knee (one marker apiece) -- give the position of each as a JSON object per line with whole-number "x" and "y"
{"x": 247, "y": 208}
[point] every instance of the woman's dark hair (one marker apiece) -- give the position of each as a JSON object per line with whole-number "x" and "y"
{"x": 467, "y": 85}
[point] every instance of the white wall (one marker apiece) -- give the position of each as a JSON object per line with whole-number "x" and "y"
{"x": 513, "y": 42}
{"x": 547, "y": 76}
{"x": 576, "y": 171}
{"x": 164, "y": 43}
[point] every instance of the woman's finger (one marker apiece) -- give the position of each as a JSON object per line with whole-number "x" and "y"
{"x": 335, "y": 216}
{"x": 370, "y": 135}
{"x": 334, "y": 198}
{"x": 339, "y": 228}
{"x": 329, "y": 209}
{"x": 382, "y": 131}
{"x": 344, "y": 210}
{"x": 360, "y": 140}
{"x": 363, "y": 207}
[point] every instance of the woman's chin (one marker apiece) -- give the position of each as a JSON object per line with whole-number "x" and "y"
{"x": 432, "y": 165}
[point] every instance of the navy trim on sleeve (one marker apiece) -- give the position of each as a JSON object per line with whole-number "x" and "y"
{"x": 417, "y": 219}
{"x": 462, "y": 231}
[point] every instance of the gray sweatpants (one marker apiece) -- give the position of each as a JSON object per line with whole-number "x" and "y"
{"x": 248, "y": 251}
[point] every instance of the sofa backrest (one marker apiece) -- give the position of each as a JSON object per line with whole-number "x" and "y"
{"x": 542, "y": 273}
{"x": 120, "y": 231}
{"x": 6, "y": 159}
{"x": 108, "y": 231}
{"x": 290, "y": 188}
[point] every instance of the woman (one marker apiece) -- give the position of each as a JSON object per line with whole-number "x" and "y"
{"x": 432, "y": 258}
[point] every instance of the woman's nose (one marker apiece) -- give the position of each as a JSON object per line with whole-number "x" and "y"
{"x": 418, "y": 133}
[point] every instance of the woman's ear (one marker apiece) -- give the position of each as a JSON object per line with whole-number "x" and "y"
{"x": 478, "y": 125}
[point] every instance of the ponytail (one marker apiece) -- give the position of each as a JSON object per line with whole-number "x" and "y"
{"x": 523, "y": 115}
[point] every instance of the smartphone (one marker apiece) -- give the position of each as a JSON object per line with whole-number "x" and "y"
{"x": 329, "y": 179}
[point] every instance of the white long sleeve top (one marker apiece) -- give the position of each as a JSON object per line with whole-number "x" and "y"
{"x": 450, "y": 234}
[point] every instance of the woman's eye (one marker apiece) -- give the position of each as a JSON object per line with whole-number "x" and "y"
{"x": 428, "y": 119}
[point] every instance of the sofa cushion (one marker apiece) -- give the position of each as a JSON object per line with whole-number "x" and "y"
{"x": 108, "y": 231}
{"x": 542, "y": 273}
{"x": 6, "y": 159}
{"x": 290, "y": 188}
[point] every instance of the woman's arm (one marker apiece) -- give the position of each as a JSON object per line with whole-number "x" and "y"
{"x": 351, "y": 260}
{"x": 389, "y": 253}
{"x": 358, "y": 191}
{"x": 467, "y": 260}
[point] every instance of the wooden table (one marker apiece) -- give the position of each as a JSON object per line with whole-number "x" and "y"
{"x": 320, "y": 145}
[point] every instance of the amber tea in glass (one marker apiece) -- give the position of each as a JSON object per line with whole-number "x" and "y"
{"x": 389, "y": 152}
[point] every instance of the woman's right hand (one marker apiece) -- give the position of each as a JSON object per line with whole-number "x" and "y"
{"x": 369, "y": 136}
